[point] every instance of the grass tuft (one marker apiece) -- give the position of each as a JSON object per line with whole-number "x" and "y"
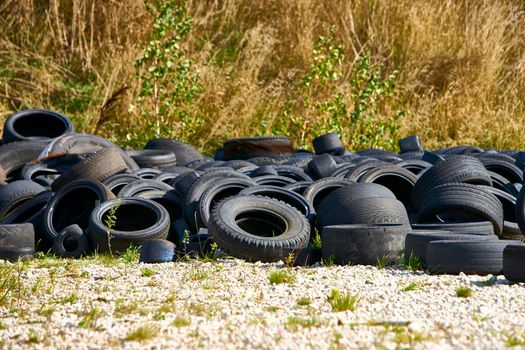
{"x": 281, "y": 276}
{"x": 142, "y": 333}
{"x": 304, "y": 301}
{"x": 463, "y": 292}
{"x": 342, "y": 302}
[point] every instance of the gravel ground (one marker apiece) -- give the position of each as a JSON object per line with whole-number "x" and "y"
{"x": 231, "y": 304}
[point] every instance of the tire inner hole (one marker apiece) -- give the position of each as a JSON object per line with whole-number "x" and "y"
{"x": 261, "y": 223}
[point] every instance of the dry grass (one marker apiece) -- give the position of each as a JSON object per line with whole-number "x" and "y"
{"x": 462, "y": 64}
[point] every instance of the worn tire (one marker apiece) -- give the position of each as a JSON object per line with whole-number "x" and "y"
{"x": 473, "y": 228}
{"x": 319, "y": 189}
{"x": 71, "y": 242}
{"x": 185, "y": 153}
{"x": 243, "y": 227}
{"x": 514, "y": 262}
{"x": 153, "y": 158}
{"x": 154, "y": 251}
{"x": 16, "y": 193}
{"x": 14, "y": 155}
{"x": 36, "y": 124}
{"x": 17, "y": 241}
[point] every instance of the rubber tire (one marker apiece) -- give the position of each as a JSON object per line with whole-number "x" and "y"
{"x": 72, "y": 232}
{"x": 185, "y": 153}
{"x": 117, "y": 182}
{"x": 286, "y": 196}
{"x": 292, "y": 172}
{"x": 469, "y": 257}
{"x": 153, "y": 158}
{"x": 97, "y": 167}
{"x": 272, "y": 180}
{"x": 508, "y": 170}
{"x": 363, "y": 244}
{"x": 154, "y": 251}
{"x": 463, "y": 169}
{"x": 470, "y": 227}
{"x": 398, "y": 180}
{"x": 298, "y": 187}
{"x": 170, "y": 200}
{"x": 415, "y": 166}
{"x": 339, "y": 208}
{"x": 328, "y": 143}
{"x": 467, "y": 199}
{"x": 67, "y": 207}
{"x": 322, "y": 165}
{"x": 147, "y": 173}
{"x": 14, "y": 155}
{"x": 307, "y": 257}
{"x": 355, "y": 173}
{"x": 133, "y": 189}
{"x": 319, "y": 189}
{"x": 417, "y": 241}
{"x": 410, "y": 144}
{"x": 514, "y": 262}
{"x": 193, "y": 196}
{"x": 262, "y": 146}
{"x": 131, "y": 212}
{"x": 262, "y": 171}
{"x": 520, "y": 209}
{"x": 230, "y": 237}
{"x": 217, "y": 191}
{"x": 36, "y": 124}
{"x": 17, "y": 241}
{"x": 16, "y": 193}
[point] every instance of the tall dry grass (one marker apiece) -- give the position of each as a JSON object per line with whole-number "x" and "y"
{"x": 462, "y": 63}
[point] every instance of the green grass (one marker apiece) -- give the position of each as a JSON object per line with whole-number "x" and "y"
{"x": 342, "y": 301}
{"x": 122, "y": 309}
{"x": 90, "y": 317}
{"x": 142, "y": 333}
{"x": 180, "y": 322}
{"x": 148, "y": 272}
{"x": 463, "y": 292}
{"x": 33, "y": 337}
{"x": 70, "y": 299}
{"x": 304, "y": 301}
{"x": 512, "y": 340}
{"x": 383, "y": 262}
{"x": 281, "y": 276}
{"x": 489, "y": 281}
{"x": 294, "y": 323}
{"x": 414, "y": 263}
{"x": 411, "y": 287}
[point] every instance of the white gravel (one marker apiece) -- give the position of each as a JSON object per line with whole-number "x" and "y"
{"x": 230, "y": 304}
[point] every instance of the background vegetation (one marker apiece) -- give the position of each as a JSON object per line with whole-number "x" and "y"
{"x": 451, "y": 71}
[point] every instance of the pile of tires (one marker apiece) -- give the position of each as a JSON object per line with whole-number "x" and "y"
{"x": 459, "y": 209}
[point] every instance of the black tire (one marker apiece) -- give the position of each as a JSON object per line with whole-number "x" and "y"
{"x": 185, "y": 153}
{"x": 193, "y": 196}
{"x": 263, "y": 170}
{"x": 16, "y": 193}
{"x": 292, "y": 172}
{"x": 364, "y": 244}
{"x": 472, "y": 228}
{"x": 198, "y": 163}
{"x": 73, "y": 204}
{"x": 153, "y": 158}
{"x": 272, "y": 180}
{"x": 508, "y": 170}
{"x": 416, "y": 166}
{"x": 417, "y": 241}
{"x": 36, "y": 124}
{"x": 374, "y": 152}
{"x": 342, "y": 169}
{"x": 136, "y": 187}
{"x": 14, "y": 155}
{"x": 32, "y": 212}
{"x": 97, "y": 167}
{"x": 183, "y": 182}
{"x": 49, "y": 166}
{"x": 165, "y": 177}
{"x": 319, "y": 189}
{"x": 217, "y": 191}
{"x": 260, "y": 161}
{"x": 520, "y": 210}
{"x": 170, "y": 200}
{"x": 71, "y": 242}
{"x": 432, "y": 157}
{"x": 156, "y": 251}
{"x": 299, "y": 162}
{"x": 236, "y": 164}
{"x": 514, "y": 262}
{"x": 299, "y": 187}
{"x": 511, "y": 229}
{"x": 84, "y": 144}
{"x": 503, "y": 184}
{"x": 322, "y": 165}
{"x": 197, "y": 245}
{"x": 286, "y": 196}
{"x": 469, "y": 257}
{"x": 463, "y": 169}
{"x": 252, "y": 147}
{"x": 243, "y": 226}
{"x": 147, "y": 173}
{"x": 410, "y": 144}
{"x": 118, "y": 181}
{"x": 398, "y": 180}
{"x": 178, "y": 229}
{"x": 307, "y": 257}
{"x": 343, "y": 208}
{"x": 460, "y": 200}
{"x": 355, "y": 173}
{"x": 208, "y": 165}
{"x": 17, "y": 241}
{"x": 137, "y": 220}
{"x": 328, "y": 143}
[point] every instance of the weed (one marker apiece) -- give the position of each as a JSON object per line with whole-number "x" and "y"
{"x": 329, "y": 262}
{"x": 90, "y": 317}
{"x": 180, "y": 321}
{"x": 122, "y": 308}
{"x": 130, "y": 255}
{"x": 512, "y": 340}
{"x": 2, "y": 326}
{"x": 414, "y": 263}
{"x": 403, "y": 335}
{"x": 281, "y": 276}
{"x": 316, "y": 242}
{"x": 383, "y": 262}
{"x": 142, "y": 333}
{"x": 304, "y": 301}
{"x": 411, "y": 287}
{"x": 289, "y": 259}
{"x": 198, "y": 275}
{"x": 70, "y": 299}
{"x": 147, "y": 272}
{"x": 201, "y": 309}
{"x": 33, "y": 337}
{"x": 489, "y": 281}
{"x": 272, "y": 308}
{"x": 293, "y": 323}
{"x": 47, "y": 312}
{"x": 342, "y": 302}
{"x": 110, "y": 220}
{"x": 463, "y": 291}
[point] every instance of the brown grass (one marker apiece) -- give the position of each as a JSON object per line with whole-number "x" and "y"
{"x": 462, "y": 63}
